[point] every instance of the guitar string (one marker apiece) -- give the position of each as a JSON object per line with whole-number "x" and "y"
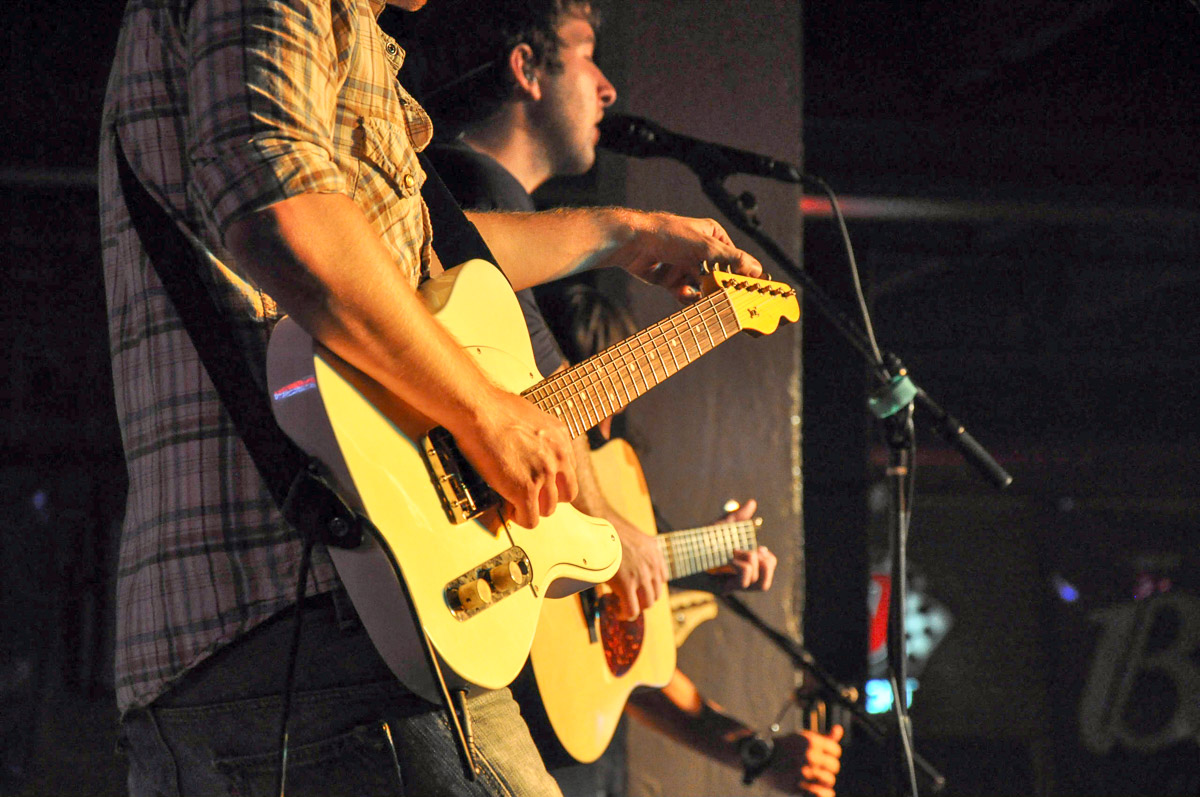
{"x": 650, "y": 339}
{"x": 693, "y": 547}
{"x": 593, "y": 371}
{"x": 595, "y": 379}
{"x": 612, "y": 381}
{"x": 737, "y": 301}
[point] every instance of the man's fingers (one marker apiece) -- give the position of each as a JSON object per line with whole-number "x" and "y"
{"x": 747, "y": 566}
{"x": 548, "y": 497}
{"x": 525, "y": 513}
{"x": 814, "y": 789}
{"x": 631, "y": 606}
{"x": 818, "y": 775}
{"x": 767, "y": 565}
{"x": 746, "y": 264}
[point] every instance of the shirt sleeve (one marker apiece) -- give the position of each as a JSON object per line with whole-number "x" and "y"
{"x": 263, "y": 83}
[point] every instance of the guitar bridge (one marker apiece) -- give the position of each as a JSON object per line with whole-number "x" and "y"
{"x": 464, "y": 493}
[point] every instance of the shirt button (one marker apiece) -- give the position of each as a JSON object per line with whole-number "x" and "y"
{"x": 391, "y": 48}
{"x": 409, "y": 182}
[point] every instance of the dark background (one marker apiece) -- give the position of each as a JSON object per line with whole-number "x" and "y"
{"x": 1020, "y": 180}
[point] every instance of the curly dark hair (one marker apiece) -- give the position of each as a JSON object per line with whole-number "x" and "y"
{"x": 465, "y": 46}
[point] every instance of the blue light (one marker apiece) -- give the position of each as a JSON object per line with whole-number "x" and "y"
{"x": 1065, "y": 589}
{"x": 879, "y": 695}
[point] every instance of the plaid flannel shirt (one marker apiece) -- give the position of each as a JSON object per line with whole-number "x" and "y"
{"x": 225, "y": 107}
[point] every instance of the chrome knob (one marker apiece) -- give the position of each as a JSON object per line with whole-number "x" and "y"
{"x": 473, "y": 595}
{"x": 510, "y": 575}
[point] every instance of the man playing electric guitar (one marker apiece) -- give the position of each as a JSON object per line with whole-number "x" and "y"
{"x": 275, "y": 132}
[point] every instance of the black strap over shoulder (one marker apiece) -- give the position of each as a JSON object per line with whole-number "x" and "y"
{"x": 455, "y": 238}
{"x": 305, "y": 499}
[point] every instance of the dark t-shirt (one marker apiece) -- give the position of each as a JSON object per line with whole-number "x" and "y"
{"x": 478, "y": 182}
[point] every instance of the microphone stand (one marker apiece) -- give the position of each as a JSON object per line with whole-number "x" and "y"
{"x": 845, "y": 696}
{"x": 893, "y": 402}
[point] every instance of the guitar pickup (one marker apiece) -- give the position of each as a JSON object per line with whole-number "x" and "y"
{"x": 488, "y": 582}
{"x": 463, "y": 492}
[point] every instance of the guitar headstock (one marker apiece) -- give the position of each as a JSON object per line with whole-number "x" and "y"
{"x": 761, "y": 305}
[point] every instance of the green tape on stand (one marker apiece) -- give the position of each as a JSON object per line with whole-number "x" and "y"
{"x": 892, "y": 397}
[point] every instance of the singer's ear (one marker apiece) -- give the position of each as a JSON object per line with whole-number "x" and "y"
{"x": 524, "y": 73}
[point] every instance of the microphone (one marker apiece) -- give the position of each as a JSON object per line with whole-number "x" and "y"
{"x": 641, "y": 138}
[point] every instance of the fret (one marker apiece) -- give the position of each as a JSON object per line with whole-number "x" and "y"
{"x": 672, "y": 345}
{"x": 593, "y": 414}
{"x": 712, "y": 344}
{"x": 618, "y": 374}
{"x": 612, "y": 376}
{"x": 691, "y": 551}
{"x": 696, "y": 337}
{"x": 602, "y": 385}
{"x": 725, "y": 333}
{"x": 630, "y": 356}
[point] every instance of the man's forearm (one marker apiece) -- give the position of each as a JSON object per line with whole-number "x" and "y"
{"x": 660, "y": 248}
{"x": 532, "y": 248}
{"x": 317, "y": 256}
{"x": 680, "y": 712}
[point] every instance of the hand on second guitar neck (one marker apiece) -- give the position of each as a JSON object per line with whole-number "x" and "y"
{"x": 749, "y": 570}
{"x": 642, "y": 578}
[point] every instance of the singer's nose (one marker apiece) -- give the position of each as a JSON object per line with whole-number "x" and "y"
{"x": 607, "y": 91}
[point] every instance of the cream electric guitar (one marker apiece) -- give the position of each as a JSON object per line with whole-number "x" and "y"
{"x": 477, "y": 579}
{"x": 585, "y": 660}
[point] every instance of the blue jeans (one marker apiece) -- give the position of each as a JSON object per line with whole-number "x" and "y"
{"x": 354, "y": 729}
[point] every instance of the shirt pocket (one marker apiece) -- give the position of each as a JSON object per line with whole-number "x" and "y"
{"x": 387, "y": 162}
{"x": 387, "y": 187}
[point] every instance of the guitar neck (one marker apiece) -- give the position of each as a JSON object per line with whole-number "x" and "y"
{"x": 692, "y": 551}
{"x": 605, "y": 384}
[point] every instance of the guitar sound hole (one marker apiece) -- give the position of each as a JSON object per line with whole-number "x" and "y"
{"x": 622, "y": 640}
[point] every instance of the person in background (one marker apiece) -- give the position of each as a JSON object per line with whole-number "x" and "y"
{"x": 523, "y": 96}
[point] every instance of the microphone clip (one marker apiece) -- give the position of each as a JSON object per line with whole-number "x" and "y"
{"x": 757, "y": 752}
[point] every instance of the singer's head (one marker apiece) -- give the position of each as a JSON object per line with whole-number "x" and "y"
{"x": 516, "y": 72}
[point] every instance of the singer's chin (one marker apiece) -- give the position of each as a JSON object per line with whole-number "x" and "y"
{"x": 580, "y": 162}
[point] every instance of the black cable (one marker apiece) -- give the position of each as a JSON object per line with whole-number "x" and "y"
{"x": 290, "y": 677}
{"x": 835, "y": 206}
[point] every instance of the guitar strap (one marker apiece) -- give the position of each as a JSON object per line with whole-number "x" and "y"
{"x": 455, "y": 238}
{"x": 306, "y": 500}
